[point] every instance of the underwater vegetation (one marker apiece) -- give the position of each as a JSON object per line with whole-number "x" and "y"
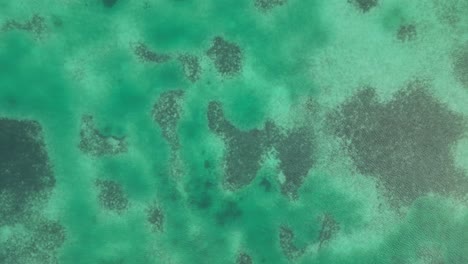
{"x": 244, "y": 132}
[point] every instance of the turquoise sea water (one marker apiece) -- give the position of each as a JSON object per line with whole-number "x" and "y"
{"x": 220, "y": 131}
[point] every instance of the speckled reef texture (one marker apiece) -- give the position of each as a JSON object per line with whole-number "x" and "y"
{"x": 237, "y": 132}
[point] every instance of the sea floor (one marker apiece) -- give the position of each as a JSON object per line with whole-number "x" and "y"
{"x": 243, "y": 132}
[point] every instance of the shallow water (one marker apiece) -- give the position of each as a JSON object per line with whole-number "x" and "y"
{"x": 249, "y": 131}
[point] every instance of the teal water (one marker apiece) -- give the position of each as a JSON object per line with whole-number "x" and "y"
{"x": 249, "y": 131}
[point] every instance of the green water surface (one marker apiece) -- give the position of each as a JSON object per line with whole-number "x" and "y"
{"x": 222, "y": 131}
